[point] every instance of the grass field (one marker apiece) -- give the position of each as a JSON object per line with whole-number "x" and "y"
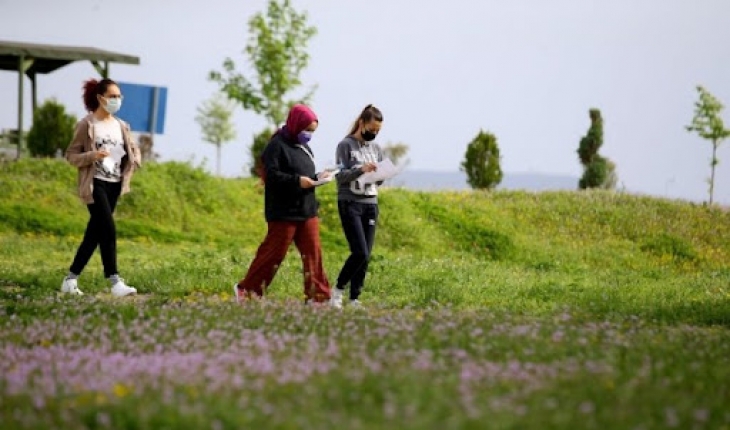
{"x": 515, "y": 310}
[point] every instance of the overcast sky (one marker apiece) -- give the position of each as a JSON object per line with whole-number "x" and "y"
{"x": 526, "y": 70}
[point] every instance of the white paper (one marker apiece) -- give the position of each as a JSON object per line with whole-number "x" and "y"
{"x": 385, "y": 170}
{"x": 108, "y": 164}
{"x": 321, "y": 180}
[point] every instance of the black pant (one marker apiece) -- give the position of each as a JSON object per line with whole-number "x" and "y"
{"x": 100, "y": 231}
{"x": 358, "y": 221}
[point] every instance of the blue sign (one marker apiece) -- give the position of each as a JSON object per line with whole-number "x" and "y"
{"x": 144, "y": 107}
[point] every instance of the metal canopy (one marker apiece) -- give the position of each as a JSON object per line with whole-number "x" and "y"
{"x": 31, "y": 59}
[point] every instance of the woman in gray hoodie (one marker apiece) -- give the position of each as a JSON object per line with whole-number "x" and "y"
{"x": 357, "y": 201}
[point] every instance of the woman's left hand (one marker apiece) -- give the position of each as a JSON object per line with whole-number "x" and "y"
{"x": 306, "y": 182}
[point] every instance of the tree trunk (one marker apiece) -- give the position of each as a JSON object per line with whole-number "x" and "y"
{"x": 218, "y": 161}
{"x": 712, "y": 172}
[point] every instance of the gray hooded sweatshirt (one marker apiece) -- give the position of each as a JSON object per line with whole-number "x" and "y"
{"x": 351, "y": 155}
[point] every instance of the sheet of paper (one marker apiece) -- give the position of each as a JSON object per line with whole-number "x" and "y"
{"x": 386, "y": 170}
{"x": 321, "y": 179}
{"x": 108, "y": 164}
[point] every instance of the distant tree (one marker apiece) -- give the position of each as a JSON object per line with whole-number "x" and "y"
{"x": 277, "y": 50}
{"x": 708, "y": 124}
{"x": 396, "y": 152}
{"x": 52, "y": 130}
{"x": 260, "y": 141}
{"x": 215, "y": 117}
{"x": 482, "y": 162}
{"x": 598, "y": 171}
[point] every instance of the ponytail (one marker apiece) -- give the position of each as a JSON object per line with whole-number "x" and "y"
{"x": 93, "y": 88}
{"x": 369, "y": 113}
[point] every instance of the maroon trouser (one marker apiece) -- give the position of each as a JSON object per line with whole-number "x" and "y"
{"x": 271, "y": 252}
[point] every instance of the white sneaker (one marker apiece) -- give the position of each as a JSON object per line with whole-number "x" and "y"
{"x": 336, "y": 299}
{"x": 121, "y": 289}
{"x": 355, "y": 304}
{"x": 71, "y": 286}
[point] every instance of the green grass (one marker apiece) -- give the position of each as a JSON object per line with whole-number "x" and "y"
{"x": 504, "y": 310}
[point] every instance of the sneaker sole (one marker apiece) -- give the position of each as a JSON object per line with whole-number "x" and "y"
{"x": 73, "y": 293}
{"x": 125, "y": 295}
{"x": 335, "y": 305}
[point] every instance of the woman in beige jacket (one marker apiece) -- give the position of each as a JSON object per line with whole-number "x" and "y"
{"x": 106, "y": 157}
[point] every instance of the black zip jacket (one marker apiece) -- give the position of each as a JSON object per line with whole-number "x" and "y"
{"x": 285, "y": 161}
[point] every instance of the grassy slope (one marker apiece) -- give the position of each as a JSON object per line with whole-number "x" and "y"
{"x": 598, "y": 251}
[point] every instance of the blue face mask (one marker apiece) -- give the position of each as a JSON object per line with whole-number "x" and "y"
{"x": 112, "y": 105}
{"x": 304, "y": 137}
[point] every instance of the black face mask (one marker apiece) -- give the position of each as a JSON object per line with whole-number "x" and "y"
{"x": 368, "y": 135}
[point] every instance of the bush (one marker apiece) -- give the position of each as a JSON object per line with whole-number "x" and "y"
{"x": 599, "y": 172}
{"x": 482, "y": 162}
{"x": 52, "y": 130}
{"x": 256, "y": 149}
{"x": 595, "y": 174}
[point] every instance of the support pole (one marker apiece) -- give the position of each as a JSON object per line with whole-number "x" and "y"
{"x": 155, "y": 107}
{"x": 103, "y": 70}
{"x": 21, "y": 73}
{"x": 34, "y": 91}
{"x": 23, "y": 65}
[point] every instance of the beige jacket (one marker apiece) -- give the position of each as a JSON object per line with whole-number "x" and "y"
{"x": 81, "y": 153}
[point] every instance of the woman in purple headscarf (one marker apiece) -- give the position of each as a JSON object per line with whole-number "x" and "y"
{"x": 291, "y": 210}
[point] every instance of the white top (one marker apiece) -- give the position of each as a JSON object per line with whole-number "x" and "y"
{"x": 108, "y": 137}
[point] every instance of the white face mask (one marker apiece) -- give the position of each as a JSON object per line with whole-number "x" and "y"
{"x": 112, "y": 105}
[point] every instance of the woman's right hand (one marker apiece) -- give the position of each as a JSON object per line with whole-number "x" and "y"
{"x": 305, "y": 182}
{"x": 369, "y": 167}
{"x": 98, "y": 155}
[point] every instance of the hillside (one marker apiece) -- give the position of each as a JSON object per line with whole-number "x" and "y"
{"x": 504, "y": 249}
{"x": 441, "y": 181}
{"x": 174, "y": 202}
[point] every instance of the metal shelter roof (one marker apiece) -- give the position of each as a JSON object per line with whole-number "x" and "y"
{"x": 47, "y": 58}
{"x": 32, "y": 59}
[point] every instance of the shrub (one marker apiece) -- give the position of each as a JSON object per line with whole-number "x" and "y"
{"x": 256, "y": 149}
{"x": 482, "y": 162}
{"x": 52, "y": 130}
